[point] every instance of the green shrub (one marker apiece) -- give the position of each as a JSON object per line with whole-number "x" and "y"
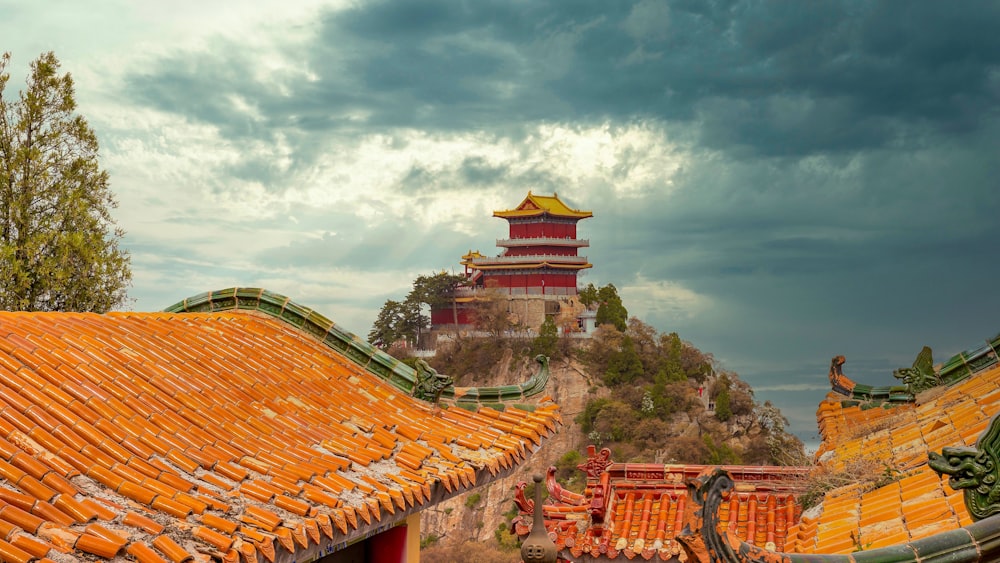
{"x": 472, "y": 500}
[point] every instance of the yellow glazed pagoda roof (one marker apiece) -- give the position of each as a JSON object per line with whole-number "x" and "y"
{"x": 251, "y": 429}
{"x": 536, "y": 205}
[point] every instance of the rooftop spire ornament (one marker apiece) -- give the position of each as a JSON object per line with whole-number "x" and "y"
{"x": 538, "y": 547}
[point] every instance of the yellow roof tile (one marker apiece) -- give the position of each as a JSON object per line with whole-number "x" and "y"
{"x": 919, "y": 503}
{"x": 233, "y": 416}
{"x": 534, "y": 205}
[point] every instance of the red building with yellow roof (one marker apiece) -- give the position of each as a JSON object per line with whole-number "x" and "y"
{"x": 540, "y": 259}
{"x": 540, "y": 255}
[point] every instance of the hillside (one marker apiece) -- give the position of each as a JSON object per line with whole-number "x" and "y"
{"x": 648, "y": 397}
{"x": 477, "y": 516}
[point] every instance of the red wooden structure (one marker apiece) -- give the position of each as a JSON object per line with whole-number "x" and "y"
{"x": 539, "y": 257}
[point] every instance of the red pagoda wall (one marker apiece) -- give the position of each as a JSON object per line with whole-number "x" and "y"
{"x": 541, "y": 251}
{"x": 542, "y": 229}
{"x": 530, "y": 280}
{"x": 447, "y": 316}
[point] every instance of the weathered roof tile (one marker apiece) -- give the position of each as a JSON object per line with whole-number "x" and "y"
{"x": 171, "y": 413}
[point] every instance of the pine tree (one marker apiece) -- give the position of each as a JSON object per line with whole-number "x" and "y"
{"x": 611, "y": 310}
{"x": 58, "y": 242}
{"x": 547, "y": 340}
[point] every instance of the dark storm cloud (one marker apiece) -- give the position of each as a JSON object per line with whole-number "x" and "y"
{"x": 477, "y": 171}
{"x": 839, "y": 187}
{"x": 890, "y": 217}
{"x": 750, "y": 77}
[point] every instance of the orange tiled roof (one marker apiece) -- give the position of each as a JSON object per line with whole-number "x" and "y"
{"x": 167, "y": 436}
{"x": 638, "y": 509}
{"x": 900, "y": 512}
{"x": 535, "y": 205}
{"x": 899, "y": 438}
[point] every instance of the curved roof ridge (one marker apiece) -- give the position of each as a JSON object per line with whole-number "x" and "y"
{"x": 375, "y": 361}
{"x": 533, "y": 205}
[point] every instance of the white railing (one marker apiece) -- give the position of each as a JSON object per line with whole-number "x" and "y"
{"x": 530, "y": 258}
{"x": 505, "y": 242}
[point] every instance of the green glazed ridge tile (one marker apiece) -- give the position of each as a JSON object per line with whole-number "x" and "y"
{"x": 358, "y": 350}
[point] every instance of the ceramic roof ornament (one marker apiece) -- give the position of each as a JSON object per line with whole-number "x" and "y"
{"x": 538, "y": 547}
{"x": 430, "y": 384}
{"x": 870, "y": 395}
{"x": 976, "y": 471}
{"x": 919, "y": 377}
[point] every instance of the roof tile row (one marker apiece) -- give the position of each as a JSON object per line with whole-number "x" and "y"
{"x": 230, "y": 431}
{"x": 912, "y": 502}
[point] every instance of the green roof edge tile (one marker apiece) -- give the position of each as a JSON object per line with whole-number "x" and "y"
{"x": 307, "y": 320}
{"x": 954, "y": 370}
{"x": 375, "y": 361}
{"x": 977, "y": 542}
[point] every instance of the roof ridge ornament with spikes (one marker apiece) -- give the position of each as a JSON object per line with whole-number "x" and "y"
{"x": 975, "y": 470}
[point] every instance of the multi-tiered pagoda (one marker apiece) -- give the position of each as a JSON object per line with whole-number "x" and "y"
{"x": 537, "y": 269}
{"x": 540, "y": 255}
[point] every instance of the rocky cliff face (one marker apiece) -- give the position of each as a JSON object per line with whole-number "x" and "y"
{"x": 472, "y": 518}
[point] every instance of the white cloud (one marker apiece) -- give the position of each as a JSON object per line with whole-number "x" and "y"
{"x": 663, "y": 299}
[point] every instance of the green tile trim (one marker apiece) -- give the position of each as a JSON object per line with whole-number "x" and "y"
{"x": 977, "y": 542}
{"x": 956, "y": 369}
{"x": 307, "y": 320}
{"x": 375, "y": 361}
{"x": 503, "y": 393}
{"x": 967, "y": 363}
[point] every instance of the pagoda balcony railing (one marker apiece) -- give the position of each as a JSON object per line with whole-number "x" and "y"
{"x": 545, "y": 292}
{"x": 550, "y": 241}
{"x": 561, "y": 258}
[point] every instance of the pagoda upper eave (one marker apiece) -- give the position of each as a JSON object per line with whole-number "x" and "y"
{"x": 536, "y": 206}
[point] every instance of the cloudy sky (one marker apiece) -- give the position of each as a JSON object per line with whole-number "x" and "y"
{"x": 778, "y": 182}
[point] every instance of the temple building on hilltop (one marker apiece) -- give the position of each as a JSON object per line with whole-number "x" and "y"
{"x": 540, "y": 255}
{"x": 536, "y": 271}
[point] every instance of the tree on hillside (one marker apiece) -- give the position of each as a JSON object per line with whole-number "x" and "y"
{"x": 59, "y": 245}
{"x": 624, "y": 365}
{"x": 588, "y": 295}
{"x": 404, "y": 320}
{"x": 723, "y": 410}
{"x": 611, "y": 309}
{"x": 396, "y": 321}
{"x": 645, "y": 339}
{"x": 436, "y": 290}
{"x": 547, "y": 341}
